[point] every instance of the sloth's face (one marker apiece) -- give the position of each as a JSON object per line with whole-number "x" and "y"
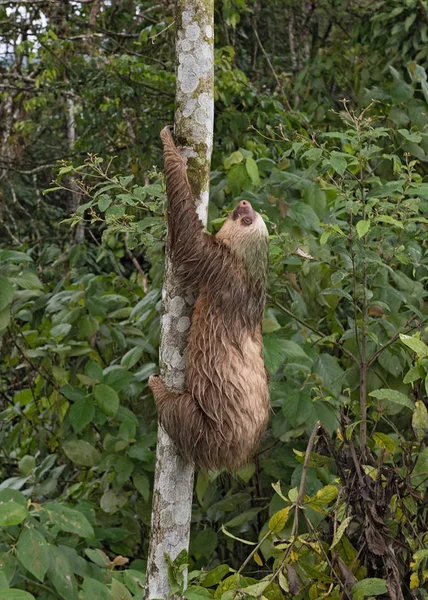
{"x": 243, "y": 225}
{"x": 245, "y": 212}
{"x": 246, "y": 216}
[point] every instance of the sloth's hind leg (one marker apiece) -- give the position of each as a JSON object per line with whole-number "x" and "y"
{"x": 181, "y": 417}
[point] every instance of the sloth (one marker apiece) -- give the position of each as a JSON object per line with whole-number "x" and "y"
{"x": 218, "y": 421}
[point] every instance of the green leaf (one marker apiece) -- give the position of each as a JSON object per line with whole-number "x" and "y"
{"x": 410, "y": 20}
{"x": 420, "y": 420}
{"x": 144, "y": 373}
{"x": 234, "y": 159}
{"x": 246, "y": 472}
{"x": 389, "y": 221}
{"x": 9, "y": 566}
{"x": 331, "y": 373}
{"x": 324, "y": 237}
{"x": 304, "y": 216}
{"x": 28, "y": 280}
{"x": 297, "y": 406}
{"x": 82, "y": 453}
{"x": 214, "y": 576}
{"x": 6, "y": 293}
{"x": 383, "y": 441}
{"x": 104, "y": 202}
{"x": 12, "y": 513}
{"x": 340, "y": 531}
{"x": 124, "y": 181}
{"x": 61, "y": 330}
{"x": 391, "y": 363}
{"x": 107, "y": 399}
{"x": 205, "y": 542}
{"x": 415, "y": 344}
{"x": 140, "y": 452}
{"x": 97, "y": 556}
{"x": 363, "y": 228}
{"x": 117, "y": 378}
{"x": 243, "y": 517}
{"x": 278, "y": 521}
{"x": 64, "y": 170}
{"x": 277, "y": 350}
{"x": 94, "y": 370}
{"x": 368, "y": 587}
{"x": 313, "y": 154}
{"x": 420, "y": 471}
{"x": 27, "y": 464}
{"x": 238, "y": 179}
{"x": 119, "y": 591}
{"x": 13, "y": 256}
{"x": 88, "y": 326}
{"x": 270, "y": 324}
{"x": 257, "y": 589}
{"x": 419, "y": 556}
{"x": 142, "y": 484}
{"x": 81, "y": 413}
{"x": 111, "y": 501}
{"x": 392, "y": 396}
{"x": 123, "y": 468}
{"x": 197, "y": 593}
{"x": 71, "y": 392}
{"x": 14, "y": 594}
{"x": 336, "y": 292}
{"x": 316, "y": 198}
{"x": 62, "y": 576}
{"x": 410, "y": 137}
{"x": 412, "y": 375}
{"x": 324, "y": 496}
{"x": 202, "y": 483}
{"x": 420, "y": 189}
{"x": 10, "y": 495}
{"x": 401, "y": 92}
{"x": 338, "y": 162}
{"x": 134, "y": 581}
{"x": 224, "y": 530}
{"x": 131, "y": 357}
{"x": 68, "y": 519}
{"x": 33, "y": 552}
{"x": 4, "y": 319}
{"x": 253, "y": 171}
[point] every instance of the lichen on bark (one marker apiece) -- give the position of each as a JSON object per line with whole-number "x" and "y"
{"x": 194, "y": 119}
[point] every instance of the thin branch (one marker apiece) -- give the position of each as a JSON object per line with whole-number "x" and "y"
{"x": 301, "y": 493}
{"x": 254, "y": 550}
{"x": 309, "y": 449}
{"x": 25, "y": 2}
{"x": 5, "y": 165}
{"x": 271, "y": 67}
{"x": 153, "y": 38}
{"x": 314, "y": 329}
{"x": 394, "y": 338}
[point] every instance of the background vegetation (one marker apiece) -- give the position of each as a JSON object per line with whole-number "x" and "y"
{"x": 321, "y": 122}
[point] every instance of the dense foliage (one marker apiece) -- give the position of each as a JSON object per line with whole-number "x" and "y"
{"x": 321, "y": 122}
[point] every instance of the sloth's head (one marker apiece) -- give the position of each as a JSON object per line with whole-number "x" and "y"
{"x": 245, "y": 233}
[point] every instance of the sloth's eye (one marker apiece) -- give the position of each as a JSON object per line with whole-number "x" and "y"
{"x": 246, "y": 221}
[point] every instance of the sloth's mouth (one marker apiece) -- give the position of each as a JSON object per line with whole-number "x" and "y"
{"x": 244, "y": 208}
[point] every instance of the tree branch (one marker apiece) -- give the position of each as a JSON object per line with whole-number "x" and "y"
{"x": 320, "y": 333}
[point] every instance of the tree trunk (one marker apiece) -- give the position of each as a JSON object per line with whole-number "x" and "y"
{"x": 194, "y": 116}
{"x": 74, "y": 199}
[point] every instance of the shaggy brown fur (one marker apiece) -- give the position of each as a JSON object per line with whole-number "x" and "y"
{"x": 219, "y": 420}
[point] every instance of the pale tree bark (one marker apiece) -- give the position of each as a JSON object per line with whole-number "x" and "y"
{"x": 194, "y": 116}
{"x": 73, "y": 205}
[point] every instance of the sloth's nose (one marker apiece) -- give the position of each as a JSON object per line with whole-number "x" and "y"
{"x": 243, "y": 208}
{"x": 244, "y": 204}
